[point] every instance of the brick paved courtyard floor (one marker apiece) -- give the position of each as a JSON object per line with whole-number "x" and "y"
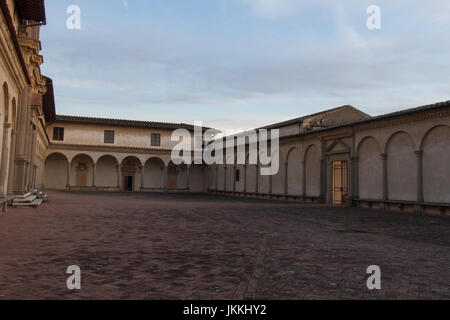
{"x": 155, "y": 246}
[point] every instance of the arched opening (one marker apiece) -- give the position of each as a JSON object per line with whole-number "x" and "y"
{"x": 106, "y": 175}
{"x": 294, "y": 172}
{"x": 401, "y": 168}
{"x": 82, "y": 171}
{"x": 131, "y": 177}
{"x": 312, "y": 163}
{"x": 436, "y": 160}
{"x": 370, "y": 171}
{"x": 154, "y": 174}
{"x": 55, "y": 172}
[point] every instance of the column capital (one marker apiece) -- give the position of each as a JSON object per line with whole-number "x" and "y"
{"x": 418, "y": 153}
{"x": 384, "y": 156}
{"x": 7, "y": 125}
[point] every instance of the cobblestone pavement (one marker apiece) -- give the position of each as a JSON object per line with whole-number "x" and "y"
{"x": 155, "y": 246}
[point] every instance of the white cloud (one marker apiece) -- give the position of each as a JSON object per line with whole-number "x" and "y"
{"x": 273, "y": 9}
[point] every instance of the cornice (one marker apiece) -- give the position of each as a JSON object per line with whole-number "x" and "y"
{"x": 103, "y": 148}
{"x": 404, "y": 120}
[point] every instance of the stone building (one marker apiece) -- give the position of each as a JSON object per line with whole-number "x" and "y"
{"x": 27, "y": 103}
{"x": 398, "y": 161}
{"x": 339, "y": 156}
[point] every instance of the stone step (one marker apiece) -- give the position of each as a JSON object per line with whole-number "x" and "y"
{"x": 26, "y": 195}
{"x": 28, "y": 199}
{"x": 36, "y": 203}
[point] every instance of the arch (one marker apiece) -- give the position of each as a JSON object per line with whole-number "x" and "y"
{"x": 291, "y": 150}
{"x": 435, "y": 146}
{"x": 106, "y": 175}
{"x": 154, "y": 173}
{"x": 401, "y": 167}
{"x": 294, "y": 172}
{"x": 55, "y": 171}
{"x": 363, "y": 140}
{"x": 411, "y": 141}
{"x": 370, "y": 169}
{"x": 312, "y": 169}
{"x": 5, "y": 102}
{"x": 131, "y": 176}
{"x": 425, "y": 136}
{"x": 82, "y": 171}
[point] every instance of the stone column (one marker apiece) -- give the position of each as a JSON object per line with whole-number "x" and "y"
{"x": 5, "y": 158}
{"x": 142, "y": 168}
{"x": 419, "y": 156}
{"x": 118, "y": 175}
{"x": 188, "y": 176}
{"x": 166, "y": 178}
{"x": 32, "y": 144}
{"x": 94, "y": 171}
{"x": 330, "y": 171}
{"x": 11, "y": 161}
{"x": 323, "y": 180}
{"x": 257, "y": 177}
{"x": 356, "y": 177}
{"x": 245, "y": 178}
{"x": 69, "y": 169}
{"x": 20, "y": 161}
{"x": 385, "y": 176}
{"x": 234, "y": 178}
{"x": 286, "y": 184}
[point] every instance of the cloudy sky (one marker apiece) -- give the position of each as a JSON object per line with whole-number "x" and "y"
{"x": 245, "y": 63}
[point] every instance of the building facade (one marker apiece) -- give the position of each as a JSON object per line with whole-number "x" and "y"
{"x": 27, "y": 103}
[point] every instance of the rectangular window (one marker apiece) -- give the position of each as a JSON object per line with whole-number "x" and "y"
{"x": 156, "y": 139}
{"x": 58, "y": 134}
{"x": 238, "y": 175}
{"x": 109, "y": 136}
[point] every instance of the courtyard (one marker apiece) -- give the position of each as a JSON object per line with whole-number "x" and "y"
{"x": 186, "y": 246}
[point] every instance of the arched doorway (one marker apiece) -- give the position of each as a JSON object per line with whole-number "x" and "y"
{"x": 82, "y": 170}
{"x": 154, "y": 174}
{"x": 106, "y": 172}
{"x": 131, "y": 167}
{"x": 56, "y": 172}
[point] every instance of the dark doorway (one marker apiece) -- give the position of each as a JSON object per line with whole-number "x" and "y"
{"x": 128, "y": 183}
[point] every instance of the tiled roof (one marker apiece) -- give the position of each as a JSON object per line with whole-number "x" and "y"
{"x": 392, "y": 115}
{"x": 300, "y": 119}
{"x": 125, "y": 123}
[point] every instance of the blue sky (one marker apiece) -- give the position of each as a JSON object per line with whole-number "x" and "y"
{"x": 244, "y": 63}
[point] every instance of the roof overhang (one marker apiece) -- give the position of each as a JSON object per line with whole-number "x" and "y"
{"x": 33, "y": 10}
